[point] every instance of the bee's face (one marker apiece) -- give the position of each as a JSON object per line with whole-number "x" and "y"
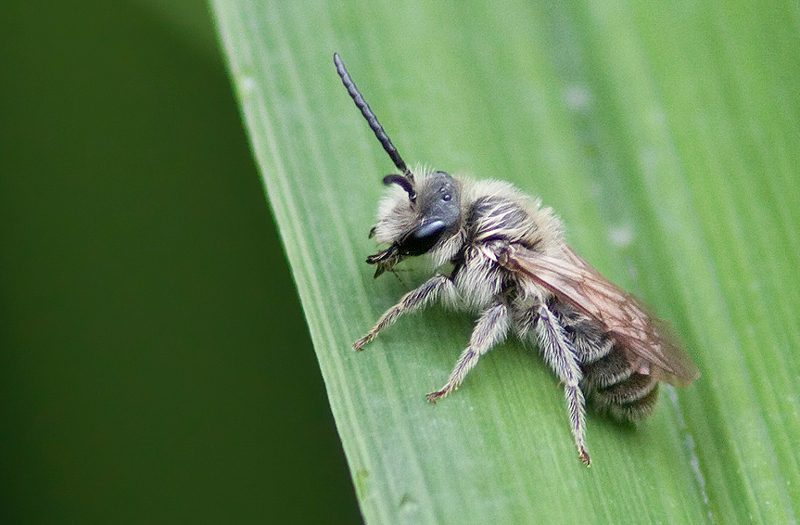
{"x": 415, "y": 227}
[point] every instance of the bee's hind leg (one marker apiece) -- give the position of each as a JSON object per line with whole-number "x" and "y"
{"x": 560, "y": 355}
{"x": 491, "y": 328}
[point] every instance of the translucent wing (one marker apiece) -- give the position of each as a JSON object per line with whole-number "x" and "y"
{"x": 573, "y": 280}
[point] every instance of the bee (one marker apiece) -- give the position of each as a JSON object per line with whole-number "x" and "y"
{"x": 500, "y": 253}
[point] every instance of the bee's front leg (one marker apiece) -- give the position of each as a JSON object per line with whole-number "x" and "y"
{"x": 429, "y": 291}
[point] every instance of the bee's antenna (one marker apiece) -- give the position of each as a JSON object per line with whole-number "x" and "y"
{"x": 372, "y": 120}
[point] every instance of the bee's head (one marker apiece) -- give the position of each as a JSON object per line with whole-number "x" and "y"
{"x": 412, "y": 221}
{"x": 415, "y": 220}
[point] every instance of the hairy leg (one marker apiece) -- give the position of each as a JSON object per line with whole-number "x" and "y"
{"x": 428, "y": 291}
{"x": 491, "y": 328}
{"x": 560, "y": 356}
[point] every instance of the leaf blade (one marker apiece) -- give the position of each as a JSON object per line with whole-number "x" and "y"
{"x": 639, "y": 154}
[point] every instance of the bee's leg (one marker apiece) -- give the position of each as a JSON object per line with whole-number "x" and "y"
{"x": 491, "y": 328}
{"x": 560, "y": 355}
{"x": 413, "y": 300}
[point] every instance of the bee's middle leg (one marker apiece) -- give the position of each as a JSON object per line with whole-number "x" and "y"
{"x": 491, "y": 328}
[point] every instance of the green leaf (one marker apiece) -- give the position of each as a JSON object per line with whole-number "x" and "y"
{"x": 665, "y": 134}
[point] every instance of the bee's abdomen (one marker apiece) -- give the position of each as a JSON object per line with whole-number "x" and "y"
{"x": 631, "y": 398}
{"x": 611, "y": 383}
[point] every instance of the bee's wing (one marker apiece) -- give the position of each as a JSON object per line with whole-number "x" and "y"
{"x": 572, "y": 279}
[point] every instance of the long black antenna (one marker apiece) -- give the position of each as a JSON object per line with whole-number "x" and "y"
{"x": 372, "y": 120}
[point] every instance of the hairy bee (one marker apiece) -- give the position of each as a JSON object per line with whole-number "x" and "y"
{"x": 510, "y": 263}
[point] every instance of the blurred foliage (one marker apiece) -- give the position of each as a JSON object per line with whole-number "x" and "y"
{"x": 154, "y": 362}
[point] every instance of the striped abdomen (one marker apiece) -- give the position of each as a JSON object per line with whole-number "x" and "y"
{"x": 615, "y": 381}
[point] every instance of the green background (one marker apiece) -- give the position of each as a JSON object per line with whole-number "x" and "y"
{"x": 154, "y": 362}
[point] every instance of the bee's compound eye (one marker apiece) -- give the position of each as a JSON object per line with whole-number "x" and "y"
{"x": 423, "y": 238}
